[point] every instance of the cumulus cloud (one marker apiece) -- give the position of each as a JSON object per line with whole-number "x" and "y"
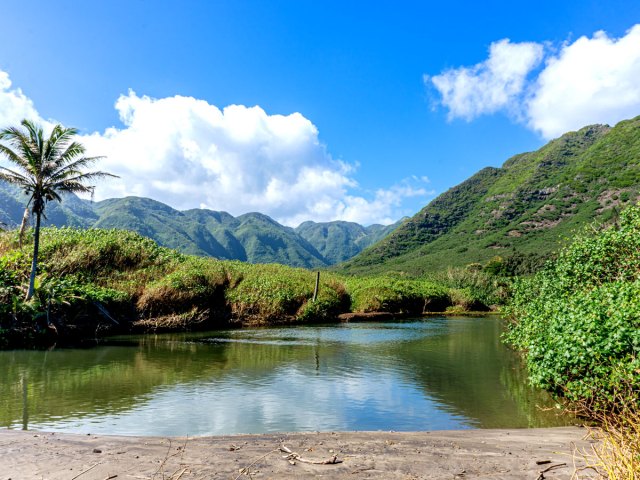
{"x": 191, "y": 154}
{"x": 592, "y": 80}
{"x": 589, "y": 80}
{"x": 384, "y": 206}
{"x": 491, "y": 85}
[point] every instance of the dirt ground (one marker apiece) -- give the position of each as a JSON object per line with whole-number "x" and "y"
{"x": 462, "y": 454}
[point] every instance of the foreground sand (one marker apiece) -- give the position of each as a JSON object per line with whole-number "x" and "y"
{"x": 491, "y": 454}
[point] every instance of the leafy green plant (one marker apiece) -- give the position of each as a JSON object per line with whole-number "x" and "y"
{"x": 578, "y": 321}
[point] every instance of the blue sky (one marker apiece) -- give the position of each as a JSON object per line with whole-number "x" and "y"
{"x": 365, "y": 110}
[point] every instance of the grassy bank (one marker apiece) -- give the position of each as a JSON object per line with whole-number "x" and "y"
{"x": 93, "y": 282}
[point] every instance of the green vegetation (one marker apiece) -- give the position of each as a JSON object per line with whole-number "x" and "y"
{"x": 578, "y": 320}
{"x": 388, "y": 294}
{"x": 578, "y": 324}
{"x": 252, "y": 237}
{"x": 46, "y": 168}
{"x": 523, "y": 211}
{"x": 93, "y": 281}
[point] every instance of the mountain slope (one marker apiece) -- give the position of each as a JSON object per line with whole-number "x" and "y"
{"x": 526, "y": 207}
{"x": 338, "y": 241}
{"x": 73, "y": 211}
{"x": 252, "y": 237}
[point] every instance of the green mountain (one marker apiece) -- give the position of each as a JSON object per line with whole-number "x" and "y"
{"x": 252, "y": 237}
{"x": 72, "y": 211}
{"x": 339, "y": 241}
{"x": 525, "y": 209}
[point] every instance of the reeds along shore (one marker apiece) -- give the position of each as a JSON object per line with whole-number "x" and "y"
{"x": 107, "y": 281}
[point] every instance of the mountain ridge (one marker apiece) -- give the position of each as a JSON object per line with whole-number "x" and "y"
{"x": 252, "y": 237}
{"x": 523, "y": 208}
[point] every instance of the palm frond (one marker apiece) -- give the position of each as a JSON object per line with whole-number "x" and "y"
{"x": 13, "y": 157}
{"x": 73, "y": 151}
{"x": 36, "y": 135}
{"x": 59, "y": 143}
{"x": 50, "y": 195}
{"x": 83, "y": 177}
{"x": 12, "y": 135}
{"x": 14, "y": 177}
{"x": 73, "y": 168}
{"x": 75, "y": 187}
{"x": 23, "y": 145}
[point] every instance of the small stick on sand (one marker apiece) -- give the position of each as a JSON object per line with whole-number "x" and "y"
{"x": 296, "y": 456}
{"x": 244, "y": 470}
{"x": 85, "y": 471}
{"x": 542, "y": 472}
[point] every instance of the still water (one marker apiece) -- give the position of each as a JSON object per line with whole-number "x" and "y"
{"x": 426, "y": 374}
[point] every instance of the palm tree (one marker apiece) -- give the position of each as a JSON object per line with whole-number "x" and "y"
{"x": 46, "y": 168}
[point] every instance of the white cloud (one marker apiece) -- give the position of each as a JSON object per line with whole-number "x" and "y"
{"x": 15, "y": 105}
{"x": 190, "y": 154}
{"x": 488, "y": 86}
{"x": 590, "y": 80}
{"x": 385, "y": 204}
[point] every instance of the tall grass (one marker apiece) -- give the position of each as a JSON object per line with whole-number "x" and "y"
{"x": 615, "y": 450}
{"x": 472, "y": 287}
{"x": 389, "y": 294}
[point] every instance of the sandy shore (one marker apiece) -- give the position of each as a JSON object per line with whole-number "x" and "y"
{"x": 491, "y": 454}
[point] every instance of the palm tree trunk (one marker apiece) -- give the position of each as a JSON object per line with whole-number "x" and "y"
{"x": 34, "y": 263}
{"x": 23, "y": 225}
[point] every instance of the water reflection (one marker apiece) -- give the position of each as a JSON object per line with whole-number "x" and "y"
{"x": 439, "y": 373}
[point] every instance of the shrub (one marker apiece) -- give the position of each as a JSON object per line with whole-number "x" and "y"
{"x": 388, "y": 294}
{"x": 578, "y": 321}
{"x": 196, "y": 283}
{"x": 473, "y": 288}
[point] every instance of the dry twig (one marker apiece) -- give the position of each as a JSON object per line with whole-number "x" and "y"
{"x": 548, "y": 469}
{"x": 293, "y": 456}
{"x": 85, "y": 471}
{"x": 245, "y": 470}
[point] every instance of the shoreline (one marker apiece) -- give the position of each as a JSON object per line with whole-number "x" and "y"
{"x": 454, "y": 454}
{"x": 50, "y": 337}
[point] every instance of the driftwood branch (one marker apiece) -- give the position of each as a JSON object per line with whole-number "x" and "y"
{"x": 293, "y": 456}
{"x": 552, "y": 467}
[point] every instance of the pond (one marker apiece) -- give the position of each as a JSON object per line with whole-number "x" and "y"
{"x": 423, "y": 374}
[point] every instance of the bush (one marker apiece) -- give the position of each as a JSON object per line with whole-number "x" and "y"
{"x": 578, "y": 321}
{"x": 196, "y": 283}
{"x": 388, "y": 294}
{"x": 473, "y": 288}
